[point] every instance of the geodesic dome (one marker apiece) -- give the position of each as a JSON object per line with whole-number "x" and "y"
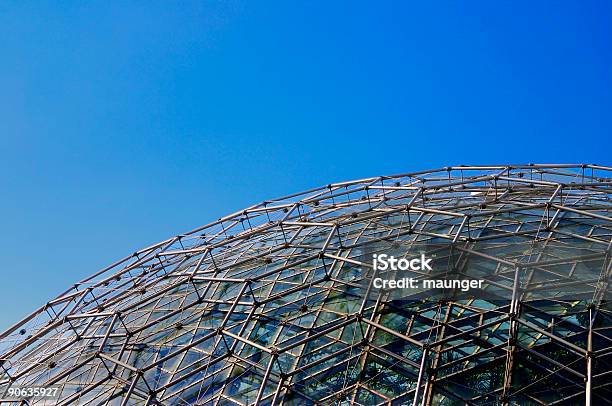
{"x": 274, "y": 304}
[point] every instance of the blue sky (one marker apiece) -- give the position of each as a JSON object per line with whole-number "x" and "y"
{"x": 124, "y": 123}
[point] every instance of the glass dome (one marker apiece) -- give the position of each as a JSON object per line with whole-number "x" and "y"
{"x": 275, "y": 304}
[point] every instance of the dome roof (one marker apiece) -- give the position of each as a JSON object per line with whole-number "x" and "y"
{"x": 275, "y": 304}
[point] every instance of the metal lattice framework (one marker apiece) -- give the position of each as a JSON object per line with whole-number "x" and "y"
{"x": 273, "y": 304}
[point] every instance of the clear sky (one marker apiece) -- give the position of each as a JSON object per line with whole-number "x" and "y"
{"x": 124, "y": 123}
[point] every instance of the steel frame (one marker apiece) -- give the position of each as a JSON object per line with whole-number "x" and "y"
{"x": 274, "y": 304}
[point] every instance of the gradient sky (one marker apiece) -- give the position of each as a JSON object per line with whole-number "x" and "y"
{"x": 124, "y": 123}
